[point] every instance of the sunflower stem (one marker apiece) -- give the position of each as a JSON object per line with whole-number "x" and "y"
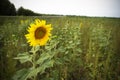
{"x": 34, "y": 62}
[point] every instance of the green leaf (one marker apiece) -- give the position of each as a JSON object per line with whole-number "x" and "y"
{"x": 45, "y": 65}
{"x": 42, "y": 58}
{"x": 79, "y": 50}
{"x": 41, "y": 68}
{"x": 58, "y": 61}
{"x": 35, "y": 49}
{"x": 24, "y": 57}
{"x": 21, "y": 74}
{"x": 32, "y": 73}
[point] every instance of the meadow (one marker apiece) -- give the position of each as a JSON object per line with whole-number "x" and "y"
{"x": 81, "y": 48}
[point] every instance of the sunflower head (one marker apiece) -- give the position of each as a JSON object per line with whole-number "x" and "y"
{"x": 38, "y": 33}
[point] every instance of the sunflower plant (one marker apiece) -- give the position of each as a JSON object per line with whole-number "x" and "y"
{"x": 39, "y": 33}
{"x": 37, "y": 58}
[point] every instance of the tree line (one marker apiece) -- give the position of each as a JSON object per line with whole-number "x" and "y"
{"x": 8, "y": 9}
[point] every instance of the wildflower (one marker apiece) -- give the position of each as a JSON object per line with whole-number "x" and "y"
{"x": 39, "y": 33}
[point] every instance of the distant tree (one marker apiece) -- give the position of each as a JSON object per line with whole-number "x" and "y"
{"x": 12, "y": 9}
{"x": 7, "y": 8}
{"x": 26, "y": 12}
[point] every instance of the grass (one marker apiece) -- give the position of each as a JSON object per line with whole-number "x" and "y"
{"x": 84, "y": 48}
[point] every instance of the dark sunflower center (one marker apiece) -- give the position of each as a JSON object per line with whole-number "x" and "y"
{"x": 40, "y": 32}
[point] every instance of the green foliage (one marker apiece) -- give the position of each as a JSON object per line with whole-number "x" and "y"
{"x": 99, "y": 53}
{"x": 40, "y": 60}
{"x": 24, "y": 57}
{"x": 82, "y": 49}
{"x": 7, "y": 8}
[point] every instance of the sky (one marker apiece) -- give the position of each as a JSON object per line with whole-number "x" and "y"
{"x": 102, "y": 8}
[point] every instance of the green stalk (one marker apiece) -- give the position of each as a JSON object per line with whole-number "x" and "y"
{"x": 34, "y": 62}
{"x": 107, "y": 62}
{"x": 96, "y": 64}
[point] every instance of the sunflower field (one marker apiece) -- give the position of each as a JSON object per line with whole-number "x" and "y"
{"x": 59, "y": 48}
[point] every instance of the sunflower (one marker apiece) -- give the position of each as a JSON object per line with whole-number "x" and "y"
{"x": 39, "y": 33}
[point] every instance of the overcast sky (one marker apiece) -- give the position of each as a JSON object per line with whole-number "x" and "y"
{"x": 108, "y": 8}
